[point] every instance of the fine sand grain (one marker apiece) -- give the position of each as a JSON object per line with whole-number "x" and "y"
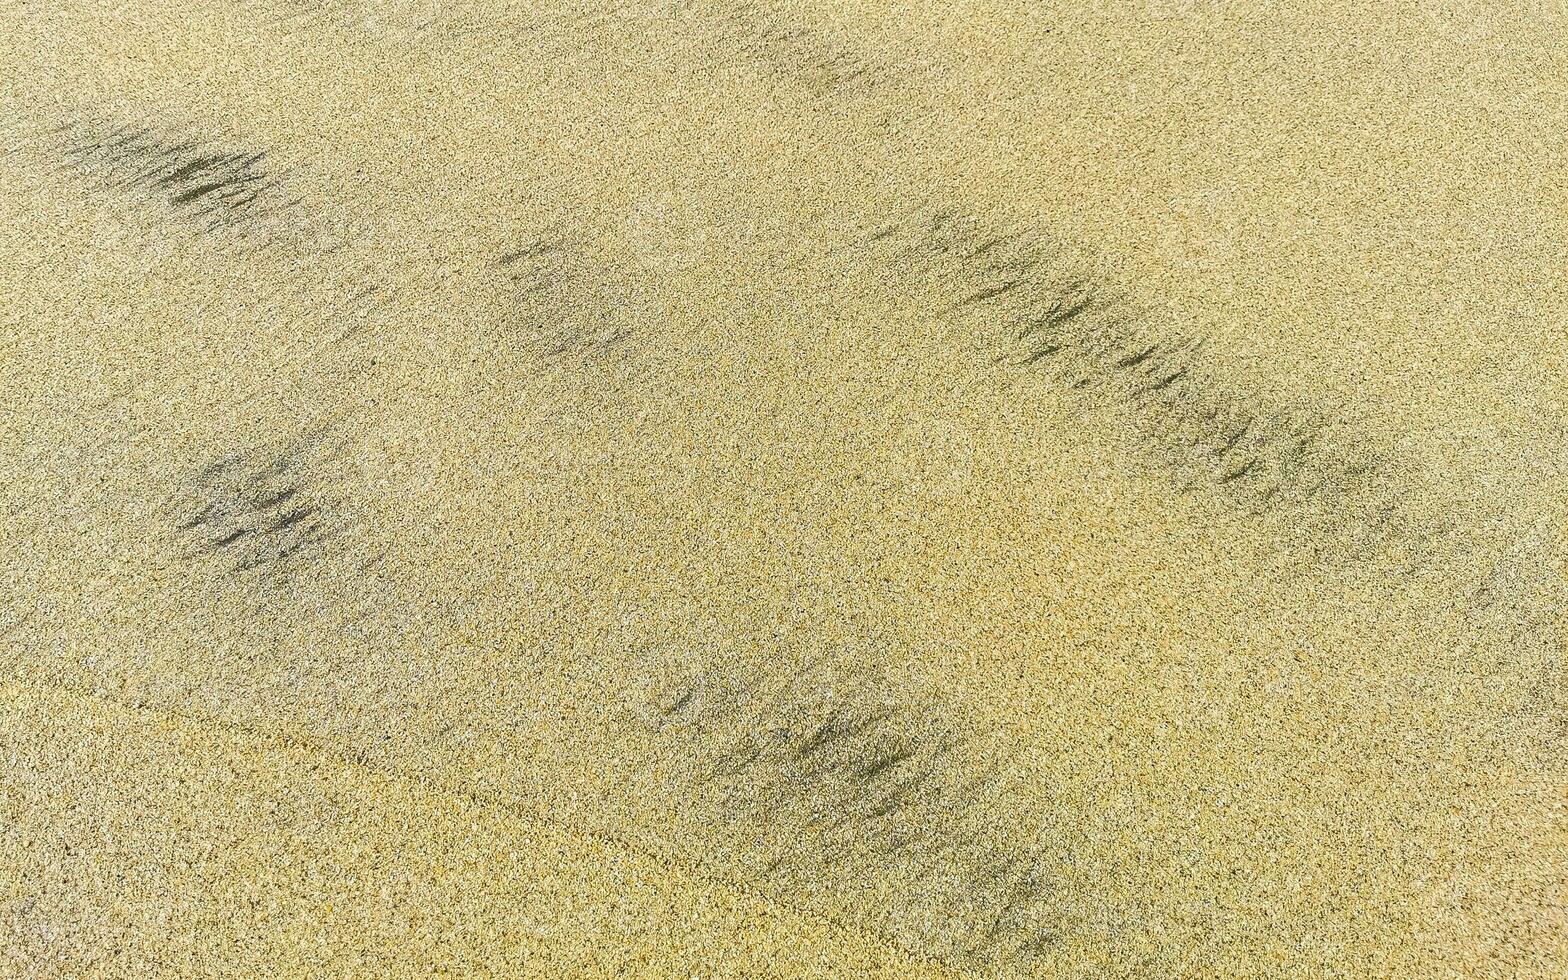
{"x": 783, "y": 489}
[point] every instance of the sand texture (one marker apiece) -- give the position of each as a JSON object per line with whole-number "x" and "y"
{"x": 777, "y": 489}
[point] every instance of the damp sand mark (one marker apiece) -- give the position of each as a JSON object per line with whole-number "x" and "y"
{"x": 268, "y": 515}
{"x": 1042, "y": 318}
{"x": 210, "y": 184}
{"x": 789, "y": 50}
{"x": 826, "y": 788}
{"x": 559, "y": 303}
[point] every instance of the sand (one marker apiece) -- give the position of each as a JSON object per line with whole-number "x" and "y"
{"x": 746, "y": 489}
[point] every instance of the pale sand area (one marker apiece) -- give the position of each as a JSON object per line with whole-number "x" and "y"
{"x": 743, "y": 489}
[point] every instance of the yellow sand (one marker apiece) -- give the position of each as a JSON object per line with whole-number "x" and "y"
{"x": 639, "y": 448}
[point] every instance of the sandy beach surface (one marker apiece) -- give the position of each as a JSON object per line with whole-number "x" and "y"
{"x": 746, "y": 488}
